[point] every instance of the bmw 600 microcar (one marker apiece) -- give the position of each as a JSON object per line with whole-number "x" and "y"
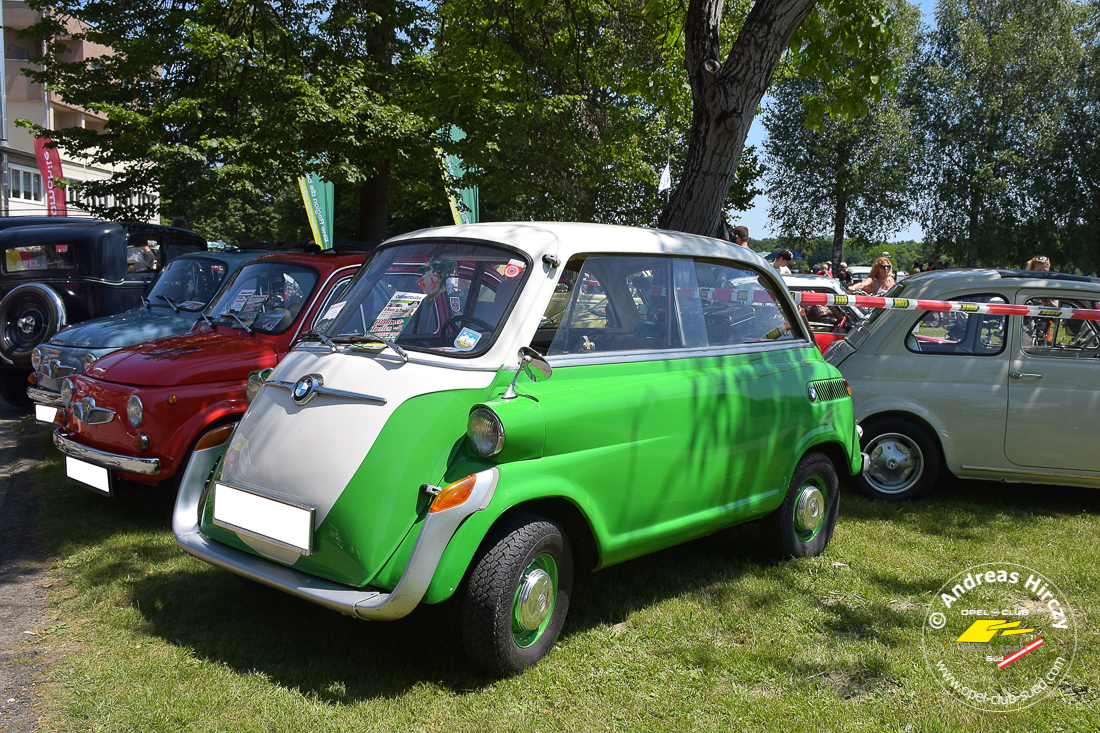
{"x": 489, "y": 408}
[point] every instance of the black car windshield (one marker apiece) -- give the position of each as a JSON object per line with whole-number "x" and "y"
{"x": 446, "y": 298}
{"x": 187, "y": 284}
{"x": 264, "y": 296}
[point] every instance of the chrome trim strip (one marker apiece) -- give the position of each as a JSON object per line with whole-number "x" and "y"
{"x": 435, "y": 534}
{"x": 129, "y": 464}
{"x": 1034, "y": 472}
{"x": 317, "y": 348}
{"x": 703, "y": 352}
{"x": 327, "y": 391}
{"x": 42, "y": 397}
{"x": 88, "y": 413}
{"x": 267, "y": 538}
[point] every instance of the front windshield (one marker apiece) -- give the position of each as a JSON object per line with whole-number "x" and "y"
{"x": 265, "y": 296}
{"x": 444, "y": 298}
{"x": 187, "y": 284}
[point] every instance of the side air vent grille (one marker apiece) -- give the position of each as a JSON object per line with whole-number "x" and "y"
{"x": 827, "y": 390}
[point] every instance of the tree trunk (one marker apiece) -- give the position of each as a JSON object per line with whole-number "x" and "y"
{"x": 374, "y": 205}
{"x": 840, "y": 195}
{"x": 724, "y": 101}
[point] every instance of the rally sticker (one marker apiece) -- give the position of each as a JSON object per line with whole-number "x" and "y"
{"x": 192, "y": 305}
{"x": 513, "y": 268}
{"x": 467, "y": 339}
{"x": 397, "y": 312}
{"x": 456, "y": 303}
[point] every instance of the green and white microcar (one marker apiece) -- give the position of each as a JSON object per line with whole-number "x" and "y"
{"x": 489, "y": 408}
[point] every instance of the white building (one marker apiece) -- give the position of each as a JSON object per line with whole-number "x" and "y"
{"x": 23, "y": 191}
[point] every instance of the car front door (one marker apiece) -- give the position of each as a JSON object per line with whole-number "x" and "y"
{"x": 1054, "y": 389}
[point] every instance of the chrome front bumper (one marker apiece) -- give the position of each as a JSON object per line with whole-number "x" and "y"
{"x": 129, "y": 464}
{"x": 44, "y": 397}
{"x": 364, "y": 603}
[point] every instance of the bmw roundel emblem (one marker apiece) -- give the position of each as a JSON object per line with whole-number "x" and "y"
{"x": 813, "y": 394}
{"x": 306, "y": 387}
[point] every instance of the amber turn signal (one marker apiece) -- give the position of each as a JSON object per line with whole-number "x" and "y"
{"x": 215, "y": 437}
{"x": 454, "y": 494}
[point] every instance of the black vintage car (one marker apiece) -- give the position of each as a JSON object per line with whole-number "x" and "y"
{"x": 58, "y": 272}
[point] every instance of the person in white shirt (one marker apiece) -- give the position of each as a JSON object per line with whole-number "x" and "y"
{"x": 782, "y": 261}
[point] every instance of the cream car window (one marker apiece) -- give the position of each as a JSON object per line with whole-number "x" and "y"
{"x": 952, "y": 332}
{"x": 1060, "y": 338}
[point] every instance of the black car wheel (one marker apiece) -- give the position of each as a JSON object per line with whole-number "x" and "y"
{"x": 803, "y": 524}
{"x": 29, "y": 315}
{"x": 904, "y": 461}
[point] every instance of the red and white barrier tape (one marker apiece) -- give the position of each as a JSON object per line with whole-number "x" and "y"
{"x": 996, "y": 309}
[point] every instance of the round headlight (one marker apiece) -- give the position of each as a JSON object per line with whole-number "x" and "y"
{"x": 255, "y": 381}
{"x": 36, "y": 358}
{"x": 67, "y": 392}
{"x": 134, "y": 411}
{"x": 485, "y": 432}
{"x": 86, "y": 362}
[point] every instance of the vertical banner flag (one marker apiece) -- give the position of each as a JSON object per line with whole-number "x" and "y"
{"x": 49, "y": 165}
{"x": 318, "y": 196}
{"x": 453, "y": 169}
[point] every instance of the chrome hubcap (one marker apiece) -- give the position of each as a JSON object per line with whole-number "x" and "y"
{"x": 896, "y": 463}
{"x": 534, "y": 599}
{"x": 810, "y": 510}
{"x": 27, "y": 324}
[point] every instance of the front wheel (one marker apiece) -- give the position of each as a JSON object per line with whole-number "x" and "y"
{"x": 804, "y": 523}
{"x": 517, "y": 595}
{"x": 904, "y": 462}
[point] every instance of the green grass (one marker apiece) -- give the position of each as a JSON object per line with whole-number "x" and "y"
{"x": 706, "y": 636}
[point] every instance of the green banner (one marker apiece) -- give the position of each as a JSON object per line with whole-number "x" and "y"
{"x": 318, "y": 197}
{"x": 469, "y": 212}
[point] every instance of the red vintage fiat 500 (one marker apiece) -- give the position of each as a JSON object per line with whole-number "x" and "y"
{"x": 139, "y": 412}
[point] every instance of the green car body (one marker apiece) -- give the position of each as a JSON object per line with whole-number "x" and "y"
{"x": 622, "y": 451}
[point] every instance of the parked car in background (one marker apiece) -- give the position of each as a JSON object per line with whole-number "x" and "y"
{"x": 829, "y": 323}
{"x": 490, "y": 407}
{"x": 181, "y": 291}
{"x": 66, "y": 271}
{"x": 137, "y": 412}
{"x": 1005, "y": 398}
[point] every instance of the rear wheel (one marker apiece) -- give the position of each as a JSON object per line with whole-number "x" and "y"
{"x": 804, "y": 523}
{"x": 517, "y": 595}
{"x": 904, "y": 461}
{"x": 29, "y": 315}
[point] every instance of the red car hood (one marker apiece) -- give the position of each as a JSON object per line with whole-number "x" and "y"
{"x": 191, "y": 358}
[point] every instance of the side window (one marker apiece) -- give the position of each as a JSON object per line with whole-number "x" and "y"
{"x": 738, "y": 306}
{"x": 952, "y": 332}
{"x": 39, "y": 257}
{"x": 142, "y": 255}
{"x": 324, "y": 313}
{"x": 1059, "y": 337}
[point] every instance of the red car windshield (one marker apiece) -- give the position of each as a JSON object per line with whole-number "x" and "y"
{"x": 266, "y": 296}
{"x": 447, "y": 298}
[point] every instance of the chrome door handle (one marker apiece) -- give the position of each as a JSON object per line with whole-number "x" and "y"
{"x": 1024, "y": 375}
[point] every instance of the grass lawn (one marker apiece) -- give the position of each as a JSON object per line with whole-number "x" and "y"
{"x": 706, "y": 636}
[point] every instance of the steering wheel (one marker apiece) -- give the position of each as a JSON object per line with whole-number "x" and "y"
{"x": 465, "y": 319}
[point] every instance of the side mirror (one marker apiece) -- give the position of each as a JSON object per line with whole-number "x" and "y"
{"x": 533, "y": 365}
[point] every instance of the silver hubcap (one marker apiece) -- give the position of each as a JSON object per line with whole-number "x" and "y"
{"x": 535, "y": 599}
{"x": 26, "y": 324}
{"x": 810, "y": 510}
{"x": 896, "y": 463}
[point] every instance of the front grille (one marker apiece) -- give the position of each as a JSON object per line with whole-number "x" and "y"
{"x": 827, "y": 390}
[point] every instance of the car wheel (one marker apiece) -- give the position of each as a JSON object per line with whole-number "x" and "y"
{"x": 804, "y": 522}
{"x": 13, "y": 389}
{"x": 517, "y": 595}
{"x": 29, "y": 315}
{"x": 904, "y": 461}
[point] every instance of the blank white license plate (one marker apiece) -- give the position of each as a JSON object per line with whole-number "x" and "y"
{"x": 44, "y": 413}
{"x": 94, "y": 477}
{"x": 264, "y": 518}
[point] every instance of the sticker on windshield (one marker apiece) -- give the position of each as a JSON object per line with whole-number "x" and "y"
{"x": 431, "y": 282}
{"x": 396, "y": 314}
{"x": 253, "y": 307}
{"x": 513, "y": 268}
{"x": 192, "y": 305}
{"x": 456, "y": 303}
{"x": 467, "y": 339}
{"x": 241, "y": 299}
{"x": 330, "y": 315}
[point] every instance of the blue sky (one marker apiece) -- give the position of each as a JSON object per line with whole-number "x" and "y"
{"x": 756, "y": 218}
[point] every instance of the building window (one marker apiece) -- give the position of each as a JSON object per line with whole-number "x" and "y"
{"x": 25, "y": 184}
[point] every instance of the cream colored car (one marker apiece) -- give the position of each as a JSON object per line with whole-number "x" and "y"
{"x": 1005, "y": 398}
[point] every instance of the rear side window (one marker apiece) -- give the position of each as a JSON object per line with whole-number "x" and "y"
{"x": 641, "y": 303}
{"x": 1060, "y": 338}
{"x": 952, "y": 332}
{"x": 39, "y": 257}
{"x": 142, "y": 254}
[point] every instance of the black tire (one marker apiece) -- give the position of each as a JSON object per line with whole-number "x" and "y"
{"x": 13, "y": 389}
{"x": 904, "y": 460}
{"x": 516, "y": 550}
{"x": 803, "y": 525}
{"x": 30, "y": 314}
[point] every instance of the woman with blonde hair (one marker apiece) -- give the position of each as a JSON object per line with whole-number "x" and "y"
{"x": 1039, "y": 263}
{"x": 879, "y": 281}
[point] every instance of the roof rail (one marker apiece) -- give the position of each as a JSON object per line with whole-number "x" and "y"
{"x": 1044, "y": 275}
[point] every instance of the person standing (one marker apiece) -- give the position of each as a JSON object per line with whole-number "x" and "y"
{"x": 879, "y": 281}
{"x": 782, "y": 261}
{"x": 843, "y": 276}
{"x": 1041, "y": 264}
{"x": 741, "y": 236}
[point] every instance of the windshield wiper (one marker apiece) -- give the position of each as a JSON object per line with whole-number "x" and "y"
{"x": 146, "y": 303}
{"x": 322, "y": 338}
{"x": 358, "y": 337}
{"x": 206, "y": 318}
{"x": 236, "y": 318}
{"x": 168, "y": 300}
